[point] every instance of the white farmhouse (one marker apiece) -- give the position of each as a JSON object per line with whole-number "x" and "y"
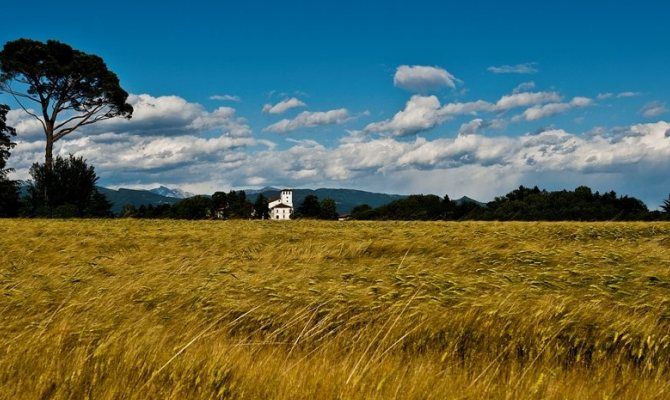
{"x": 282, "y": 208}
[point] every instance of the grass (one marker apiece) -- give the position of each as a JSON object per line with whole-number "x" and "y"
{"x": 126, "y": 309}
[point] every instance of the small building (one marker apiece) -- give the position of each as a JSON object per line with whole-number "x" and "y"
{"x": 282, "y": 208}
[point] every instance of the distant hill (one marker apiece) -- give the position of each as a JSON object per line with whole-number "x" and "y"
{"x": 345, "y": 199}
{"x": 121, "y": 197}
{"x": 466, "y": 199}
{"x": 168, "y": 192}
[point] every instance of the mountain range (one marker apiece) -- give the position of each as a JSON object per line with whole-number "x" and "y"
{"x": 346, "y": 199}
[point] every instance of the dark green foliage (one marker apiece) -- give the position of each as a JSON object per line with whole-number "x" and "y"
{"x": 579, "y": 205}
{"x": 362, "y": 211}
{"x": 71, "y": 187}
{"x": 666, "y": 205}
{"x": 414, "y": 207}
{"x": 196, "y": 207}
{"x": 261, "y": 208}
{"x": 328, "y": 209}
{"x": 238, "y": 206}
{"x": 69, "y": 79}
{"x": 309, "y": 208}
{"x": 9, "y": 190}
{"x": 522, "y": 204}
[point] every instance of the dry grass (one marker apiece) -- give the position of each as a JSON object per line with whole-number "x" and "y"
{"x": 124, "y": 309}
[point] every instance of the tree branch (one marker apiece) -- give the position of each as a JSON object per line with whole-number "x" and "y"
{"x": 86, "y": 119}
{"x": 26, "y": 110}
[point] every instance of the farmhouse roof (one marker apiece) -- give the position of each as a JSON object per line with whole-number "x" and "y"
{"x": 281, "y": 205}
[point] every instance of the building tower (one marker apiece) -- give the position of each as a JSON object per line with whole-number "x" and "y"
{"x": 287, "y": 197}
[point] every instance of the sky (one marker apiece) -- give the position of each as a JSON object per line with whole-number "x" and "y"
{"x": 400, "y": 97}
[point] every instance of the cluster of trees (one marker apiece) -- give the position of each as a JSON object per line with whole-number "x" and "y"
{"x": 231, "y": 205}
{"x": 65, "y": 190}
{"x": 522, "y": 204}
{"x": 221, "y": 205}
{"x": 312, "y": 208}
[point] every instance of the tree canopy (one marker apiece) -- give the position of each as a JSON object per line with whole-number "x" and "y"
{"x": 71, "y": 88}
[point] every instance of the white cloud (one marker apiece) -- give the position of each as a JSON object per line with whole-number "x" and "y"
{"x": 173, "y": 115}
{"x": 309, "y": 119}
{"x": 628, "y": 94}
{"x": 524, "y": 99}
{"x": 543, "y": 111}
{"x": 27, "y": 127}
{"x": 526, "y": 68}
{"x": 654, "y": 109}
{"x": 476, "y": 126}
{"x": 283, "y": 106}
{"x": 225, "y": 97}
{"x": 420, "y": 78}
{"x": 425, "y": 112}
{"x": 524, "y": 87}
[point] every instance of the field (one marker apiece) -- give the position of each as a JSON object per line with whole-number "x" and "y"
{"x": 130, "y": 309}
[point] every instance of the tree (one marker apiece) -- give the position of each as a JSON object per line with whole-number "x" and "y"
{"x": 71, "y": 88}
{"x": 71, "y": 187}
{"x": 9, "y": 193}
{"x": 196, "y": 207}
{"x": 666, "y": 205}
{"x": 362, "y": 211}
{"x": 328, "y": 209}
{"x": 261, "y": 207}
{"x": 309, "y": 208}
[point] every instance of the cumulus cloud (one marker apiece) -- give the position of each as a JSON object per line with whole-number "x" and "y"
{"x": 27, "y": 127}
{"x": 526, "y": 68}
{"x": 469, "y": 163}
{"x": 173, "y": 115}
{"x": 425, "y": 112}
{"x": 283, "y": 106}
{"x": 309, "y": 119}
{"x": 225, "y": 97}
{"x": 473, "y": 127}
{"x": 523, "y": 99}
{"x": 543, "y": 111}
{"x": 152, "y": 116}
{"x": 654, "y": 109}
{"x": 420, "y": 78}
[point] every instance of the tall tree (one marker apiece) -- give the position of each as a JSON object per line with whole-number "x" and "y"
{"x": 309, "y": 208}
{"x": 261, "y": 210}
{"x": 666, "y": 205}
{"x": 9, "y": 195}
{"x": 70, "y": 88}
{"x": 328, "y": 209}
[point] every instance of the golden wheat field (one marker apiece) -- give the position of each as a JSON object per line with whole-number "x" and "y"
{"x": 131, "y": 309}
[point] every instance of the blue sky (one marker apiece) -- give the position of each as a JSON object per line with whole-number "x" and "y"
{"x": 393, "y": 96}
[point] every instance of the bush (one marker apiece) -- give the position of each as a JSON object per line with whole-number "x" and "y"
{"x": 67, "y": 190}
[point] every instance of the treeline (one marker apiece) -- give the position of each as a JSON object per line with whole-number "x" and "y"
{"x": 231, "y": 205}
{"x": 522, "y": 204}
{"x": 221, "y": 205}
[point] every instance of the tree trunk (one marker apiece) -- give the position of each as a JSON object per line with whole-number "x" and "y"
{"x": 48, "y": 154}
{"x": 48, "y": 165}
